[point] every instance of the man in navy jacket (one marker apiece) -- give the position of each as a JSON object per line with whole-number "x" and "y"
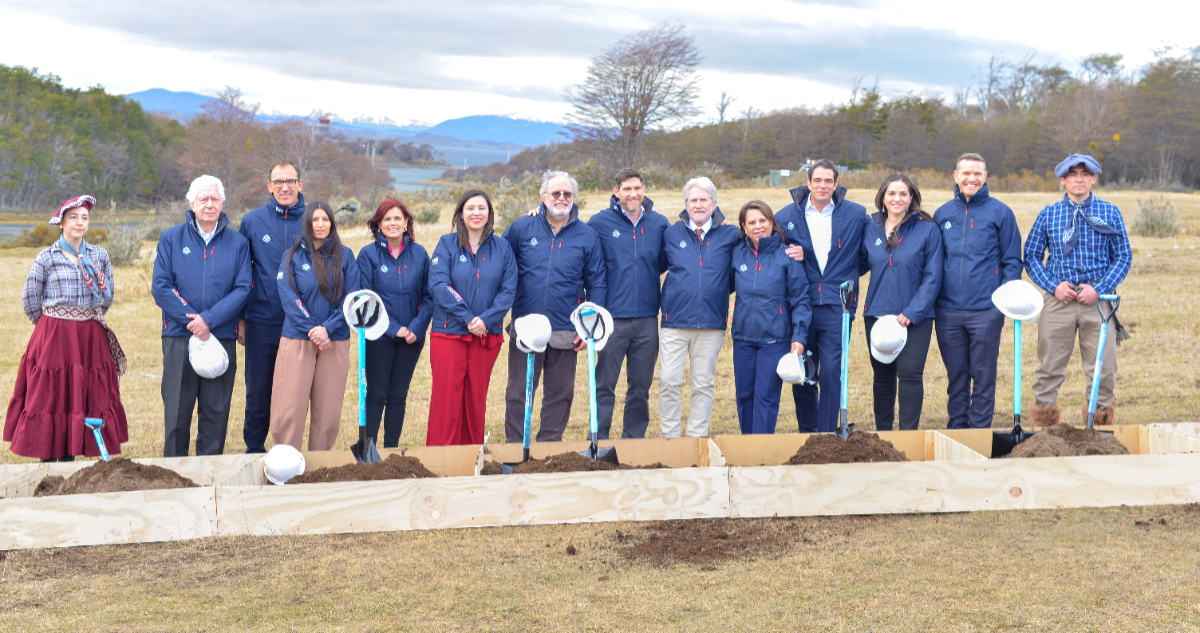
{"x": 201, "y": 282}
{"x": 270, "y": 229}
{"x": 826, "y": 230}
{"x": 697, "y": 252}
{"x": 559, "y": 265}
{"x": 981, "y": 247}
{"x": 630, "y": 233}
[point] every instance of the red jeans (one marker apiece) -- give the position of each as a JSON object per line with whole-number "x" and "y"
{"x": 462, "y": 369}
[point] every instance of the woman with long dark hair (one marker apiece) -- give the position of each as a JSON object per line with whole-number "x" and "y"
{"x": 396, "y": 267}
{"x": 770, "y": 316}
{"x": 903, "y": 249}
{"x": 70, "y": 367}
{"x": 314, "y": 348}
{"x": 473, "y": 280}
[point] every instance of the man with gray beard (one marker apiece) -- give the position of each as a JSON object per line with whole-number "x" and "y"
{"x": 559, "y": 265}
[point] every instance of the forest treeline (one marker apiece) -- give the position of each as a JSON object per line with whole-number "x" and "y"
{"x": 57, "y": 142}
{"x": 1143, "y": 124}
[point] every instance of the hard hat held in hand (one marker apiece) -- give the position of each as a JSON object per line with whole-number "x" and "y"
{"x": 208, "y": 358}
{"x": 792, "y": 370}
{"x": 592, "y": 321}
{"x": 888, "y": 338}
{"x": 364, "y": 309}
{"x": 282, "y": 463}
{"x": 532, "y": 332}
{"x": 1019, "y": 300}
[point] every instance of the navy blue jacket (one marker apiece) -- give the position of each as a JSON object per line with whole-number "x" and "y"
{"x": 696, "y": 291}
{"x": 632, "y": 258}
{"x": 465, "y": 285}
{"x": 850, "y": 220}
{"x": 310, "y": 308}
{"x": 772, "y": 294}
{"x": 402, "y": 282}
{"x": 211, "y": 280}
{"x": 555, "y": 270}
{"x": 906, "y": 279}
{"x": 271, "y": 230}
{"x": 981, "y": 245}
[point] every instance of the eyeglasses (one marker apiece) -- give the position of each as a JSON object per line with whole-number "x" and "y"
{"x": 291, "y": 182}
{"x": 207, "y": 199}
{"x": 565, "y": 195}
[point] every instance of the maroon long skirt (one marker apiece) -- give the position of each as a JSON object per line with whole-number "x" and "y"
{"x": 67, "y": 374}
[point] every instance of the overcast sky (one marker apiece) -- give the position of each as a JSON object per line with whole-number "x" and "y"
{"x": 435, "y": 60}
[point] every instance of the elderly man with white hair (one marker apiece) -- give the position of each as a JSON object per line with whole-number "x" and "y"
{"x": 695, "y": 306}
{"x": 202, "y": 283}
{"x": 559, "y": 265}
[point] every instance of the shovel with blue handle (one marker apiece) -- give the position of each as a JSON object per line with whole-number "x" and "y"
{"x": 593, "y": 326}
{"x": 95, "y": 424}
{"x": 846, "y": 292}
{"x": 364, "y": 314}
{"x": 1115, "y": 300}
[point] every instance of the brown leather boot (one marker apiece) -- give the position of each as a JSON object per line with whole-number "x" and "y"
{"x": 1044, "y": 416}
{"x": 1105, "y": 416}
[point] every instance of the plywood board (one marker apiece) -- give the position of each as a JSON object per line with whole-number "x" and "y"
{"x": 1161, "y": 441}
{"x": 941, "y": 447}
{"x": 115, "y": 517}
{"x": 444, "y": 461}
{"x": 637, "y": 495}
{"x": 773, "y": 450}
{"x": 677, "y": 452}
{"x": 978, "y": 440}
{"x": 964, "y": 486}
{"x": 1190, "y": 429}
{"x": 20, "y": 480}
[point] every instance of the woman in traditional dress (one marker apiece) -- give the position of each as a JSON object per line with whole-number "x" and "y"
{"x": 70, "y": 367}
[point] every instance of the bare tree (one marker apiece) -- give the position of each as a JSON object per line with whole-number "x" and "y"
{"x": 644, "y": 81}
{"x": 723, "y": 105}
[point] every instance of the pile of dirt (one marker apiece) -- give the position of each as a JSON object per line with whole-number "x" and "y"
{"x": 394, "y": 467}
{"x": 565, "y": 463}
{"x": 859, "y": 447}
{"x": 1064, "y": 440}
{"x": 701, "y": 542}
{"x": 492, "y": 468}
{"x": 119, "y": 475}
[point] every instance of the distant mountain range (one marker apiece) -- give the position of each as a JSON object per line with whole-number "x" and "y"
{"x": 473, "y": 138}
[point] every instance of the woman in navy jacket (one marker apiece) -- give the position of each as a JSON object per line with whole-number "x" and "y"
{"x": 397, "y": 269}
{"x": 472, "y": 281}
{"x": 770, "y": 316}
{"x": 903, "y": 250}
{"x": 314, "y": 348}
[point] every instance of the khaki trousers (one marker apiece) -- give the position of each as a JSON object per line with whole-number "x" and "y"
{"x": 676, "y": 346}
{"x": 302, "y": 374}
{"x": 1058, "y": 326}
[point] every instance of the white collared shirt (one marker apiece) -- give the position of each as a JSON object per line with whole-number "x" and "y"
{"x": 631, "y": 220}
{"x": 705, "y": 227}
{"x": 820, "y": 227}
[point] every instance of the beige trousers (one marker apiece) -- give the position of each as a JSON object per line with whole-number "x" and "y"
{"x": 1058, "y": 326}
{"x": 304, "y": 373}
{"x": 675, "y": 347}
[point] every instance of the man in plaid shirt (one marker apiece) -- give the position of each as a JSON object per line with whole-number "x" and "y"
{"x": 1088, "y": 256}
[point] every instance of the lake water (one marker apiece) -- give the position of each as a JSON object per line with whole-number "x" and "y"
{"x": 414, "y": 178}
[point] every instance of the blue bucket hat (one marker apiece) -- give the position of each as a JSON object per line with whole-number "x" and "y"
{"x": 1088, "y": 163}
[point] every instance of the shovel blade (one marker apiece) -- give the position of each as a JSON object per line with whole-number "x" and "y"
{"x": 365, "y": 453}
{"x": 602, "y": 453}
{"x": 1003, "y": 442}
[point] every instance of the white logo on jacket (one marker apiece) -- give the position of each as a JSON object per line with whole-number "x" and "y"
{"x": 616, "y": 233}
{"x": 383, "y": 268}
{"x": 791, "y": 226}
{"x": 946, "y": 225}
{"x": 435, "y": 261}
{"x": 306, "y": 267}
{"x": 533, "y": 241}
{"x": 682, "y": 244}
{"x": 267, "y": 239}
{"x": 187, "y": 251}
{"x": 878, "y": 242}
{"x": 462, "y": 258}
{"x": 742, "y": 268}
{"x": 279, "y": 276}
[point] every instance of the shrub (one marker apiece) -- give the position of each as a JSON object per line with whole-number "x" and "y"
{"x": 124, "y": 241}
{"x": 1156, "y": 218}
{"x": 40, "y": 236}
{"x": 426, "y": 213}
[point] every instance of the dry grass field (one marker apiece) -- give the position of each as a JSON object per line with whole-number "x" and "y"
{"x": 1116, "y": 569}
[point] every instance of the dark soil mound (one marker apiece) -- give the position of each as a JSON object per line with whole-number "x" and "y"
{"x": 860, "y": 447}
{"x": 492, "y": 468}
{"x": 394, "y": 467}
{"x": 1064, "y": 440}
{"x": 701, "y": 542}
{"x": 119, "y": 475}
{"x": 572, "y": 463}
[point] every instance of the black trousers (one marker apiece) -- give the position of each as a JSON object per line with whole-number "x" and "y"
{"x": 183, "y": 390}
{"x": 390, "y": 365}
{"x": 907, "y": 371}
{"x": 636, "y": 340}
{"x": 817, "y": 406}
{"x": 557, "y": 366}
{"x": 262, "y": 346}
{"x": 969, "y": 341}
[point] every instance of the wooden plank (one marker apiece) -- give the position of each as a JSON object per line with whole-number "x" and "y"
{"x": 1160, "y": 440}
{"x": 20, "y": 480}
{"x": 631, "y": 495}
{"x": 964, "y": 486}
{"x": 978, "y": 440}
{"x": 773, "y": 450}
{"x": 1190, "y": 429}
{"x": 677, "y": 452}
{"x": 444, "y": 461}
{"x": 715, "y": 456}
{"x": 944, "y": 447}
{"x": 100, "y": 519}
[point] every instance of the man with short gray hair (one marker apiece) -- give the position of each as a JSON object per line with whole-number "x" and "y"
{"x": 559, "y": 265}
{"x": 697, "y": 252}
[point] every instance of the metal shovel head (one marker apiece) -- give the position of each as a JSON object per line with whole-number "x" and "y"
{"x": 365, "y": 453}
{"x": 602, "y": 453}
{"x": 1003, "y": 442}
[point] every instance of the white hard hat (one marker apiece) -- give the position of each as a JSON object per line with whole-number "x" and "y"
{"x": 591, "y": 316}
{"x": 532, "y": 332}
{"x": 282, "y": 463}
{"x": 365, "y": 309}
{"x": 887, "y": 338}
{"x": 208, "y": 358}
{"x": 1019, "y": 300}
{"x": 790, "y": 369}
